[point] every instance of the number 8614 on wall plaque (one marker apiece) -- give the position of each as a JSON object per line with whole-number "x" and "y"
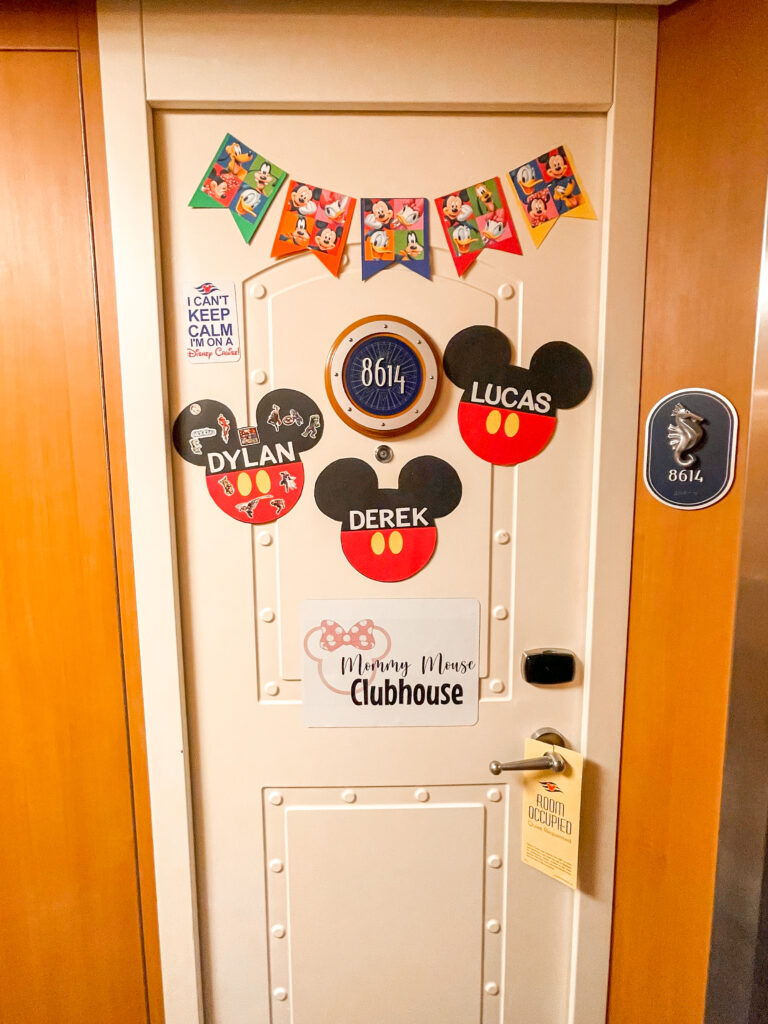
{"x": 382, "y": 375}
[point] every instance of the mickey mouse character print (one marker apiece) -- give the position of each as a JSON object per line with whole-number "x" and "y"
{"x": 508, "y": 414}
{"x": 253, "y": 473}
{"x": 388, "y": 534}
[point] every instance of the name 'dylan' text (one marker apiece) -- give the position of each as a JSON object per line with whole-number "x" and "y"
{"x": 389, "y": 693}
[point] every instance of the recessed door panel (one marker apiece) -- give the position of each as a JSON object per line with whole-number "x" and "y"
{"x": 368, "y": 917}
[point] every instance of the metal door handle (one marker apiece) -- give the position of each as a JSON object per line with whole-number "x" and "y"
{"x": 549, "y": 761}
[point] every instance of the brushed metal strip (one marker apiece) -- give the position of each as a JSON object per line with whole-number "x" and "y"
{"x": 737, "y": 984}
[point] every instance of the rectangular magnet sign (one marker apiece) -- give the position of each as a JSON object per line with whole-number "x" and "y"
{"x": 390, "y": 662}
{"x": 209, "y": 318}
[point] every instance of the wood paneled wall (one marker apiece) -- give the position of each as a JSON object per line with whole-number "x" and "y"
{"x": 710, "y": 168}
{"x": 78, "y": 942}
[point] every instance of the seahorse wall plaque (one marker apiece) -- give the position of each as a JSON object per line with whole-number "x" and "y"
{"x": 690, "y": 448}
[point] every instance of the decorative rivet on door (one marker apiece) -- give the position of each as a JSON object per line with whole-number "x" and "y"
{"x": 276, "y": 866}
{"x": 349, "y": 796}
{"x": 421, "y": 795}
{"x": 267, "y": 615}
{"x": 259, "y": 376}
{"x": 258, "y": 291}
{"x": 280, "y": 993}
{"x": 496, "y": 686}
{"x": 491, "y": 988}
{"x": 272, "y": 689}
{"x": 276, "y": 799}
{"x": 265, "y": 539}
{"x": 493, "y": 926}
{"x": 494, "y": 795}
{"x": 278, "y": 930}
{"x": 501, "y": 537}
{"x": 494, "y": 861}
{"x": 505, "y": 291}
{"x": 500, "y": 612}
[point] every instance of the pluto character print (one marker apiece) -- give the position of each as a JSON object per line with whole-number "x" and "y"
{"x": 314, "y": 220}
{"x": 394, "y": 231}
{"x": 548, "y": 188}
{"x": 253, "y": 473}
{"x": 388, "y": 534}
{"x": 508, "y": 414}
{"x": 477, "y": 218}
{"x": 242, "y": 181}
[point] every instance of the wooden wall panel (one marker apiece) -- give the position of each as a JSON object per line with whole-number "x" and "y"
{"x": 710, "y": 166}
{"x": 71, "y": 941}
{"x": 93, "y": 118}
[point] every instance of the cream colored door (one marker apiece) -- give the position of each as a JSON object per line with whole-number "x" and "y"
{"x": 375, "y": 874}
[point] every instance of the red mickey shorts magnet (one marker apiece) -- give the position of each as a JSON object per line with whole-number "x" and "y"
{"x": 508, "y": 414}
{"x": 388, "y": 534}
{"x": 253, "y": 473}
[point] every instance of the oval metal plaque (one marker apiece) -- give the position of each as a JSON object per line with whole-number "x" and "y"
{"x": 690, "y": 448}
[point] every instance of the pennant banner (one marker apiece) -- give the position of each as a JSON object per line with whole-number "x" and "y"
{"x": 317, "y": 220}
{"x": 548, "y": 188}
{"x": 394, "y": 231}
{"x": 241, "y": 180}
{"x": 477, "y": 218}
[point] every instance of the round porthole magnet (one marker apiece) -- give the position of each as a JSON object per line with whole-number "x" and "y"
{"x": 382, "y": 375}
{"x": 690, "y": 448}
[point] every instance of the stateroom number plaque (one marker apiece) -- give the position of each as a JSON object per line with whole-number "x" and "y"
{"x": 690, "y": 448}
{"x": 382, "y": 376}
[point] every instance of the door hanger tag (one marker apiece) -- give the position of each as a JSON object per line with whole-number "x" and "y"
{"x": 551, "y": 815}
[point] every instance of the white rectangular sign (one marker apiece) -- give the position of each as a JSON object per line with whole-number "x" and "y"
{"x": 209, "y": 318}
{"x": 390, "y": 662}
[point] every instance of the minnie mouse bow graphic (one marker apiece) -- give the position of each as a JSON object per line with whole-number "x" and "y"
{"x": 241, "y": 180}
{"x": 315, "y": 220}
{"x": 329, "y": 644}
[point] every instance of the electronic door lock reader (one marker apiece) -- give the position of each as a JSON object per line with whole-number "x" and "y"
{"x": 548, "y": 665}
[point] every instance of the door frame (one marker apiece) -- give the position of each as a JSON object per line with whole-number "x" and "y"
{"x": 128, "y": 111}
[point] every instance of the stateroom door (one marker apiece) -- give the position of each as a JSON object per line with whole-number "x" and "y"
{"x": 354, "y": 857}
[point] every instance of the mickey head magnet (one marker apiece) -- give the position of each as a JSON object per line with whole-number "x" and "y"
{"x": 388, "y": 534}
{"x": 253, "y": 473}
{"x": 508, "y": 414}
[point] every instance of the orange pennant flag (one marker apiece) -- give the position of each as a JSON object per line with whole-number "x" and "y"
{"x": 314, "y": 220}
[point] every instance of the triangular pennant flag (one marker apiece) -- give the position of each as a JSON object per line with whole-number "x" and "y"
{"x": 548, "y": 188}
{"x": 477, "y": 218}
{"x": 242, "y": 181}
{"x": 394, "y": 231}
{"x": 316, "y": 220}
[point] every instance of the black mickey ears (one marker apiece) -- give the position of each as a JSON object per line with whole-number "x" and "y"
{"x": 291, "y": 416}
{"x": 564, "y": 370}
{"x": 483, "y": 354}
{"x": 388, "y": 534}
{"x": 508, "y": 414}
{"x": 204, "y": 427}
{"x": 253, "y": 473}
